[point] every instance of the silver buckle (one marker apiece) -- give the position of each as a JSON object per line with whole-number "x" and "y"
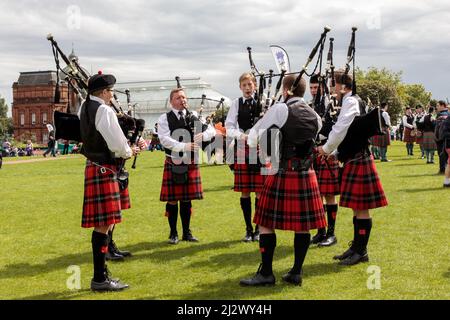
{"x": 102, "y": 170}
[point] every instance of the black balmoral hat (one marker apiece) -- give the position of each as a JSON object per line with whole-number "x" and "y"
{"x": 101, "y": 81}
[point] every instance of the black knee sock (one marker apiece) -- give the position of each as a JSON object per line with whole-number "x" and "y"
{"x": 331, "y": 217}
{"x": 355, "y": 231}
{"x": 301, "y": 245}
{"x": 363, "y": 233}
{"x": 267, "y": 244}
{"x": 246, "y": 205}
{"x": 185, "y": 214}
{"x": 172, "y": 215}
{"x": 110, "y": 235}
{"x": 99, "y": 248}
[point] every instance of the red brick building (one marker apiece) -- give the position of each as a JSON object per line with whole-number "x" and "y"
{"x": 34, "y": 103}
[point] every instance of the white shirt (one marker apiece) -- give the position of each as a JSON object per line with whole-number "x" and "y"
{"x": 276, "y": 115}
{"x": 387, "y": 118}
{"x": 107, "y": 124}
{"x": 168, "y": 142}
{"x": 349, "y": 110}
{"x": 231, "y": 123}
{"x": 406, "y": 124}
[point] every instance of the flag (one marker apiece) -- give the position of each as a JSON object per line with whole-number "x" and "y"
{"x": 281, "y": 58}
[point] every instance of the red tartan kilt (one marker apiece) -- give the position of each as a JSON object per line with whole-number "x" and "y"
{"x": 361, "y": 188}
{"x": 429, "y": 142}
{"x": 419, "y": 137}
{"x": 407, "y": 136}
{"x": 191, "y": 190}
{"x": 382, "y": 140}
{"x": 290, "y": 200}
{"x": 327, "y": 176}
{"x": 246, "y": 180}
{"x": 103, "y": 200}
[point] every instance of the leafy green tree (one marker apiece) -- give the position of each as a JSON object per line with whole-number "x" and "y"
{"x": 381, "y": 85}
{"x": 6, "y": 124}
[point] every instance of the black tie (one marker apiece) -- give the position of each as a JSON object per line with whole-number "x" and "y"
{"x": 182, "y": 119}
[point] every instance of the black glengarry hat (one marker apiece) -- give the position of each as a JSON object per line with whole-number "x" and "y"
{"x": 101, "y": 81}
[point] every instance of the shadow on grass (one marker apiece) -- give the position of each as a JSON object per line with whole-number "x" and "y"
{"x": 409, "y": 164}
{"x": 219, "y": 188}
{"x": 230, "y": 289}
{"x": 175, "y": 252}
{"x": 418, "y": 190}
{"x": 62, "y": 262}
{"x": 418, "y": 175}
{"x": 64, "y": 295}
{"x": 447, "y": 274}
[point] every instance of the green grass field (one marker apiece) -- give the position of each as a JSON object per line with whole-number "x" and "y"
{"x": 41, "y": 237}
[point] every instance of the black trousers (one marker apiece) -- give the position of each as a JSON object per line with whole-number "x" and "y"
{"x": 443, "y": 156}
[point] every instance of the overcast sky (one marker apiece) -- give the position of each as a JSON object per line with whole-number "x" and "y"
{"x": 159, "y": 39}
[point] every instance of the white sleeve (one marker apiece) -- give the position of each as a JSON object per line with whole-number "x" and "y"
{"x": 209, "y": 133}
{"x": 231, "y": 123}
{"x": 387, "y": 119}
{"x": 349, "y": 110}
{"x": 276, "y": 116}
{"x": 406, "y": 124}
{"x": 164, "y": 136}
{"x": 107, "y": 124}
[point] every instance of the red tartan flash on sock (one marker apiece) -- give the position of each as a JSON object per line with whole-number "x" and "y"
{"x": 362, "y": 232}
{"x": 333, "y": 214}
{"x": 262, "y": 250}
{"x": 104, "y": 249}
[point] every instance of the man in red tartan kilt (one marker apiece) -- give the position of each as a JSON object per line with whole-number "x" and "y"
{"x": 361, "y": 188}
{"x": 247, "y": 177}
{"x": 327, "y": 172}
{"x": 105, "y": 147}
{"x": 181, "y": 176}
{"x": 290, "y": 198}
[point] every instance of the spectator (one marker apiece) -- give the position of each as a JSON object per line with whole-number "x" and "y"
{"x": 51, "y": 146}
{"x": 66, "y": 147}
{"x": 29, "y": 148}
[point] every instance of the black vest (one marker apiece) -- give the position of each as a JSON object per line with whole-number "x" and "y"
{"x": 246, "y": 114}
{"x": 175, "y": 124}
{"x": 410, "y": 119}
{"x": 94, "y": 145}
{"x": 299, "y": 132}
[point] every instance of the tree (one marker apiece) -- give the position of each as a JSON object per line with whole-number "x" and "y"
{"x": 415, "y": 94}
{"x": 381, "y": 85}
{"x": 6, "y": 124}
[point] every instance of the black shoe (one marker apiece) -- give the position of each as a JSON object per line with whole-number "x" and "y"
{"x": 248, "y": 237}
{"x": 189, "y": 237}
{"x": 256, "y": 236}
{"x": 293, "y": 278}
{"x": 108, "y": 285}
{"x": 329, "y": 241}
{"x": 319, "y": 237}
{"x": 258, "y": 279}
{"x": 173, "y": 238}
{"x": 346, "y": 254}
{"x": 114, "y": 256}
{"x": 354, "y": 259}
{"x": 446, "y": 185}
{"x": 114, "y": 248}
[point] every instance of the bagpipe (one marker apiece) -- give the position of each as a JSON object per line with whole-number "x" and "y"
{"x": 67, "y": 125}
{"x": 364, "y": 126}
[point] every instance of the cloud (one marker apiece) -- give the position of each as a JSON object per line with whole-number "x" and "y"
{"x": 149, "y": 40}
